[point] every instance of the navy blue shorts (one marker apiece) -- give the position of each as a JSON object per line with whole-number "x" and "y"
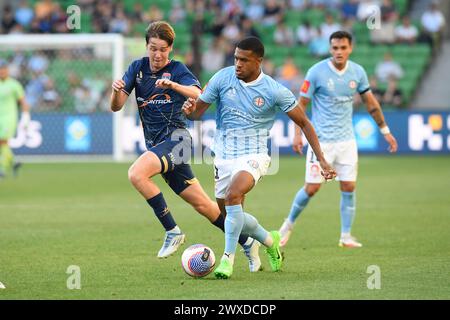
{"x": 174, "y": 167}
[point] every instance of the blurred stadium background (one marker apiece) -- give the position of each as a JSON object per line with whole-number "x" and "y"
{"x": 90, "y": 211}
{"x": 406, "y": 56}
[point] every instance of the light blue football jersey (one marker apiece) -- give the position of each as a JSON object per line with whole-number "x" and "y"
{"x": 245, "y": 112}
{"x": 331, "y": 92}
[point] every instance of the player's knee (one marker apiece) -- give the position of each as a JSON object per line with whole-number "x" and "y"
{"x": 134, "y": 176}
{"x": 233, "y": 197}
{"x": 348, "y": 187}
{"x": 312, "y": 189}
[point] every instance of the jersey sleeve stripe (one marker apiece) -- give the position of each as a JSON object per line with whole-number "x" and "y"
{"x": 364, "y": 91}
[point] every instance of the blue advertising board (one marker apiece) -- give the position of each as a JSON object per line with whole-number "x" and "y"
{"x": 62, "y": 134}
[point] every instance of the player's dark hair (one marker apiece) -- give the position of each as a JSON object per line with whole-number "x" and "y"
{"x": 161, "y": 30}
{"x": 252, "y": 44}
{"x": 341, "y": 35}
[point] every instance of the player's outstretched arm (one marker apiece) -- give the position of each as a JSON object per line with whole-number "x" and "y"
{"x": 297, "y": 143}
{"x": 118, "y": 96}
{"x": 375, "y": 111}
{"x": 187, "y": 91}
{"x": 299, "y": 117}
{"x": 194, "y": 108}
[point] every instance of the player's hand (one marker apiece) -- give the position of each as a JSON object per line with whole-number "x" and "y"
{"x": 118, "y": 85}
{"x": 327, "y": 171}
{"x": 25, "y": 119}
{"x": 297, "y": 144}
{"x": 164, "y": 84}
{"x": 189, "y": 106}
{"x": 393, "y": 146}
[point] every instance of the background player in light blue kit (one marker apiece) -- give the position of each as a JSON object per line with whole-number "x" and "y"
{"x": 247, "y": 102}
{"x": 331, "y": 84}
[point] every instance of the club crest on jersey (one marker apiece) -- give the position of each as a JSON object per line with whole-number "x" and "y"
{"x": 352, "y": 84}
{"x": 166, "y": 76}
{"x": 259, "y": 101}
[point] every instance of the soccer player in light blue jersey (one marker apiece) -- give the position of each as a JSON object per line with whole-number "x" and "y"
{"x": 331, "y": 84}
{"x": 247, "y": 102}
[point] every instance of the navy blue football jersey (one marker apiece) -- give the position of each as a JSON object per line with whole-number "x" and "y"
{"x": 159, "y": 109}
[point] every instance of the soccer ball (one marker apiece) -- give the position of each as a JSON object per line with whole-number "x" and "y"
{"x": 198, "y": 260}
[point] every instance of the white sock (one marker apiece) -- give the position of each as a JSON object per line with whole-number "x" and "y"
{"x": 175, "y": 229}
{"x": 248, "y": 242}
{"x": 345, "y": 235}
{"x": 229, "y": 257}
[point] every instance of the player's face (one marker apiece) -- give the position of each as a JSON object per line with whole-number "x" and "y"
{"x": 340, "y": 49}
{"x": 158, "y": 53}
{"x": 247, "y": 64}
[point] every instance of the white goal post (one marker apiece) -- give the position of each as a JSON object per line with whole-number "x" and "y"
{"x": 59, "y": 73}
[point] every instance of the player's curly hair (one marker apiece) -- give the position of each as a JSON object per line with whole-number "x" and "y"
{"x": 161, "y": 30}
{"x": 252, "y": 44}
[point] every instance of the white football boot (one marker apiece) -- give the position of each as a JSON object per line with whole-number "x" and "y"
{"x": 171, "y": 244}
{"x": 251, "y": 251}
{"x": 347, "y": 241}
{"x": 285, "y": 232}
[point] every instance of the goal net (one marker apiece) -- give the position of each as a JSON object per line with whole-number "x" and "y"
{"x": 67, "y": 81}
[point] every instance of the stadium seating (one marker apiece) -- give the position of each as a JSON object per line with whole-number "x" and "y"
{"x": 414, "y": 59}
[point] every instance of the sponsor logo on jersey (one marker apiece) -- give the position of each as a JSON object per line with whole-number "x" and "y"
{"x": 305, "y": 86}
{"x": 259, "y": 101}
{"x": 231, "y": 93}
{"x": 139, "y": 77}
{"x": 330, "y": 84}
{"x": 156, "y": 99}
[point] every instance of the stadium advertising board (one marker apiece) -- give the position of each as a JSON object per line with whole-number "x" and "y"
{"x": 57, "y": 134}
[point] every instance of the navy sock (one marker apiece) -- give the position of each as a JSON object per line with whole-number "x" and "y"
{"x": 162, "y": 211}
{"x": 220, "y": 223}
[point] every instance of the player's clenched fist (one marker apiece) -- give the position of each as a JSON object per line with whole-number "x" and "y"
{"x": 327, "y": 171}
{"x": 118, "y": 85}
{"x": 164, "y": 84}
{"x": 189, "y": 106}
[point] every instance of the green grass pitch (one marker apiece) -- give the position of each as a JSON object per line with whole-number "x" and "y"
{"x": 88, "y": 215}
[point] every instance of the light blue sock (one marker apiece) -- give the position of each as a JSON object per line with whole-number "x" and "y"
{"x": 234, "y": 222}
{"x": 300, "y": 201}
{"x": 253, "y": 228}
{"x": 348, "y": 204}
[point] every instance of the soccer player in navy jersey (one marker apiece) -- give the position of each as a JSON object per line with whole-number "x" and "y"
{"x": 162, "y": 85}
